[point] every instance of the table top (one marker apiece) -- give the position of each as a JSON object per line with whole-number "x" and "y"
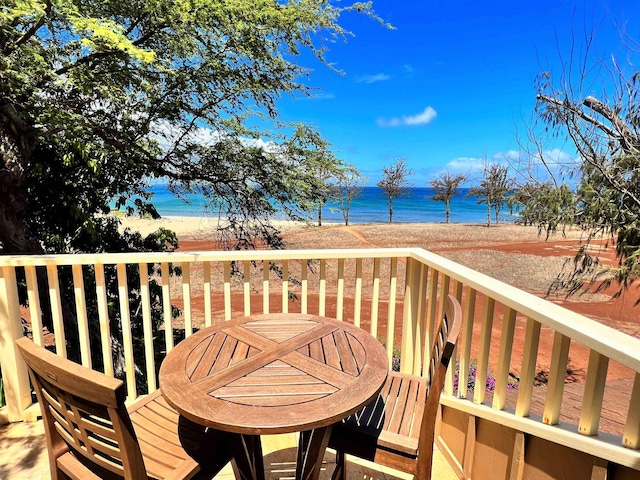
{"x": 273, "y": 373}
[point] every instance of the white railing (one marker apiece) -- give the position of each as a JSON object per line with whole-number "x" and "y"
{"x": 395, "y": 294}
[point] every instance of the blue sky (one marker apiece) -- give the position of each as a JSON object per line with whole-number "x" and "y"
{"x": 453, "y": 82}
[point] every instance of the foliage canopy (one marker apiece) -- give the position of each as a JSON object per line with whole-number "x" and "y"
{"x": 349, "y": 186}
{"x": 602, "y": 193}
{"x": 99, "y": 98}
{"x": 493, "y": 189}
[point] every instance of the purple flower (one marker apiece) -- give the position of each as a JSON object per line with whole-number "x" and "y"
{"x": 490, "y": 384}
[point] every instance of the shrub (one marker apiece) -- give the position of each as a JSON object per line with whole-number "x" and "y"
{"x": 490, "y": 386}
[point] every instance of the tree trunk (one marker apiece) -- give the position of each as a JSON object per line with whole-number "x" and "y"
{"x": 320, "y": 215}
{"x": 446, "y": 212}
{"x": 17, "y": 144}
{"x": 390, "y": 210}
{"x": 488, "y": 214}
{"x": 15, "y": 238}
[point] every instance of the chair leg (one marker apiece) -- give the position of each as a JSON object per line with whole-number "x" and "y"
{"x": 340, "y": 472}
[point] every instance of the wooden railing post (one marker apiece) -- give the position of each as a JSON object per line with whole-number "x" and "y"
{"x": 14, "y": 371}
{"x": 410, "y": 316}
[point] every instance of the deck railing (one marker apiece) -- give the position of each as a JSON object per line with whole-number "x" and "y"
{"x": 121, "y": 313}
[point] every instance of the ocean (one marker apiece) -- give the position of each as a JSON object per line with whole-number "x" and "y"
{"x": 371, "y": 207}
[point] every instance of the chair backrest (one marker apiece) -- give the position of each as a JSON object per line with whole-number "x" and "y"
{"x": 444, "y": 343}
{"x": 83, "y": 412}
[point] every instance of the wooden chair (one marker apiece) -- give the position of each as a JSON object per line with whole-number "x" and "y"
{"x": 92, "y": 435}
{"x": 398, "y": 428}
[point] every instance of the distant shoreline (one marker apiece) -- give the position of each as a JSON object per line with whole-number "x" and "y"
{"x": 371, "y": 207}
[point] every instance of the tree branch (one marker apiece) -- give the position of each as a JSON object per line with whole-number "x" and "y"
{"x": 134, "y": 24}
{"x": 578, "y": 111}
{"x": 29, "y": 33}
{"x": 97, "y": 55}
{"x": 625, "y": 133}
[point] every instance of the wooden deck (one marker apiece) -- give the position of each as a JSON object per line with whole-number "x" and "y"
{"x": 23, "y": 453}
{"x": 23, "y": 456}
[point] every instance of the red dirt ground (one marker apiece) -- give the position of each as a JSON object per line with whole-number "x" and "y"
{"x": 618, "y": 313}
{"x": 615, "y": 312}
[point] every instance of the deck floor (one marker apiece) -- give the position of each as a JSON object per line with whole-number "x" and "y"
{"x": 23, "y": 452}
{"x": 23, "y": 456}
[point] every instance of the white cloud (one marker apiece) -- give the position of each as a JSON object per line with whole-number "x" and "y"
{"x": 553, "y": 163}
{"x": 422, "y": 118}
{"x": 522, "y": 165}
{"x": 167, "y": 134}
{"x": 541, "y": 165}
{"x": 320, "y": 95}
{"x": 378, "y": 77}
{"x": 323, "y": 96}
{"x": 260, "y": 143}
{"x": 512, "y": 156}
{"x": 558, "y": 157}
{"x": 554, "y": 156}
{"x": 465, "y": 165}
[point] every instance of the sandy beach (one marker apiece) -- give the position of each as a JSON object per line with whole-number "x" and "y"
{"x": 191, "y": 227}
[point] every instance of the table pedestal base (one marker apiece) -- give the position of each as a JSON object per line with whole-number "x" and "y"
{"x": 247, "y": 460}
{"x": 248, "y": 463}
{"x": 311, "y": 448}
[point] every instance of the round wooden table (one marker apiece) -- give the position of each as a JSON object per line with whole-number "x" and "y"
{"x": 274, "y": 373}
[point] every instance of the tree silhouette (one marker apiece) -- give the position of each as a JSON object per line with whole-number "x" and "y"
{"x": 349, "y": 186}
{"x": 395, "y": 183}
{"x": 446, "y": 186}
{"x": 493, "y": 189}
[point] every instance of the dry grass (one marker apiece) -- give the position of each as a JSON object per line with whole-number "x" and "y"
{"x": 468, "y": 244}
{"x": 463, "y": 243}
{"x": 529, "y": 272}
{"x": 426, "y": 235}
{"x": 532, "y": 273}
